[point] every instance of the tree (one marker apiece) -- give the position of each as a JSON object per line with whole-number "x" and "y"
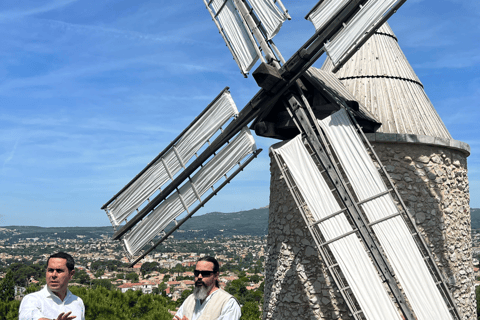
{"x": 255, "y": 278}
{"x": 9, "y": 310}
{"x": 161, "y": 289}
{"x": 178, "y": 268}
{"x": 7, "y": 290}
{"x": 99, "y": 273}
{"x": 103, "y": 283}
{"x": 103, "y": 304}
{"x": 184, "y": 296}
{"x": 250, "y": 311}
{"x": 81, "y": 276}
{"x": 148, "y": 267}
{"x": 262, "y": 286}
{"x": 238, "y": 289}
{"x": 33, "y": 288}
{"x": 477, "y": 293}
{"x": 132, "y": 276}
{"x": 22, "y": 273}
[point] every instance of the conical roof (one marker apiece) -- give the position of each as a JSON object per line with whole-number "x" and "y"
{"x": 380, "y": 77}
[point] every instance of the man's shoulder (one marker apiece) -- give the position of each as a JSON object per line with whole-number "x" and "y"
{"x": 37, "y": 294}
{"x": 224, "y": 294}
{"x": 226, "y": 297}
{"x": 189, "y": 298}
{"x": 73, "y": 297}
{"x": 33, "y": 297}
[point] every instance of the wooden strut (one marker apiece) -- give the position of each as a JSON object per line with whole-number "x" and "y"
{"x": 200, "y": 205}
{"x": 306, "y": 123}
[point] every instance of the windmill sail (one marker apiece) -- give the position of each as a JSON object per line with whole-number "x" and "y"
{"x": 357, "y": 30}
{"x": 191, "y": 192}
{"x": 388, "y": 225}
{"x": 346, "y": 247}
{"x": 235, "y": 33}
{"x": 171, "y": 160}
{"x": 324, "y": 10}
{"x": 271, "y": 16}
{"x": 245, "y": 29}
{"x": 421, "y": 284}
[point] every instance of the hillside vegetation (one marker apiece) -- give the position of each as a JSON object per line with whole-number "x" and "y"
{"x": 215, "y": 224}
{"x": 475, "y": 214}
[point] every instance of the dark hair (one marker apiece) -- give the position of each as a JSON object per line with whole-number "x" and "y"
{"x": 216, "y": 266}
{"x": 66, "y": 256}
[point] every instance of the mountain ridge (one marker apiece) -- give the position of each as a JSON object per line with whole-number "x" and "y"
{"x": 253, "y": 222}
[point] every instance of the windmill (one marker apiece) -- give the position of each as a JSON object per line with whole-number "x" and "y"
{"x": 357, "y": 225}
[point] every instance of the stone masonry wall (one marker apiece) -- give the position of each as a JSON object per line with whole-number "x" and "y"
{"x": 433, "y": 183}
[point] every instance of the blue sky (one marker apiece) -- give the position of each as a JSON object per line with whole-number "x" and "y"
{"x": 91, "y": 91}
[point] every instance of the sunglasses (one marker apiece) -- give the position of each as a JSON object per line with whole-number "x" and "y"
{"x": 205, "y": 274}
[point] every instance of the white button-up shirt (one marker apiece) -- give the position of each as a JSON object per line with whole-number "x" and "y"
{"x": 45, "y": 304}
{"x": 231, "y": 310}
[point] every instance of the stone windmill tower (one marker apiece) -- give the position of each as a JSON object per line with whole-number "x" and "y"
{"x": 428, "y": 167}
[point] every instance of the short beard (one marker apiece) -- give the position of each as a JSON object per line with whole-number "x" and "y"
{"x": 201, "y": 292}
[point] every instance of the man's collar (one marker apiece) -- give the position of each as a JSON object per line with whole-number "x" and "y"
{"x": 51, "y": 294}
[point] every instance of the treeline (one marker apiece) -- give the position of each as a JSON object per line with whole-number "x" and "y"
{"x": 103, "y": 304}
{"x": 21, "y": 273}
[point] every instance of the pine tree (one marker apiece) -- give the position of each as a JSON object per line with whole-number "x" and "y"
{"x": 7, "y": 290}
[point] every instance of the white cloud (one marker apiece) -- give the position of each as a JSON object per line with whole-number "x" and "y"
{"x": 21, "y": 13}
{"x": 10, "y": 155}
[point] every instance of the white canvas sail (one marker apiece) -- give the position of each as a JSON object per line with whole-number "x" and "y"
{"x": 369, "y": 14}
{"x": 270, "y": 16}
{"x": 173, "y": 159}
{"x": 187, "y": 195}
{"x": 233, "y": 27}
{"x": 350, "y": 254}
{"x": 393, "y": 234}
{"x": 324, "y": 11}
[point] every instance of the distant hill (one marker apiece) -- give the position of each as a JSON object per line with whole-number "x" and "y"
{"x": 215, "y": 224}
{"x": 251, "y": 222}
{"x": 475, "y": 214}
{"x": 23, "y": 232}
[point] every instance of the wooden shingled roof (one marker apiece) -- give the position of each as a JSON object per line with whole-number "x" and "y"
{"x": 380, "y": 77}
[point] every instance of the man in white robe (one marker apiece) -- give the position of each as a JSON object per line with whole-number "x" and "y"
{"x": 208, "y": 301}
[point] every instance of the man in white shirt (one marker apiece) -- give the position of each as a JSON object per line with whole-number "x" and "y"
{"x": 54, "y": 301}
{"x": 208, "y": 301}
